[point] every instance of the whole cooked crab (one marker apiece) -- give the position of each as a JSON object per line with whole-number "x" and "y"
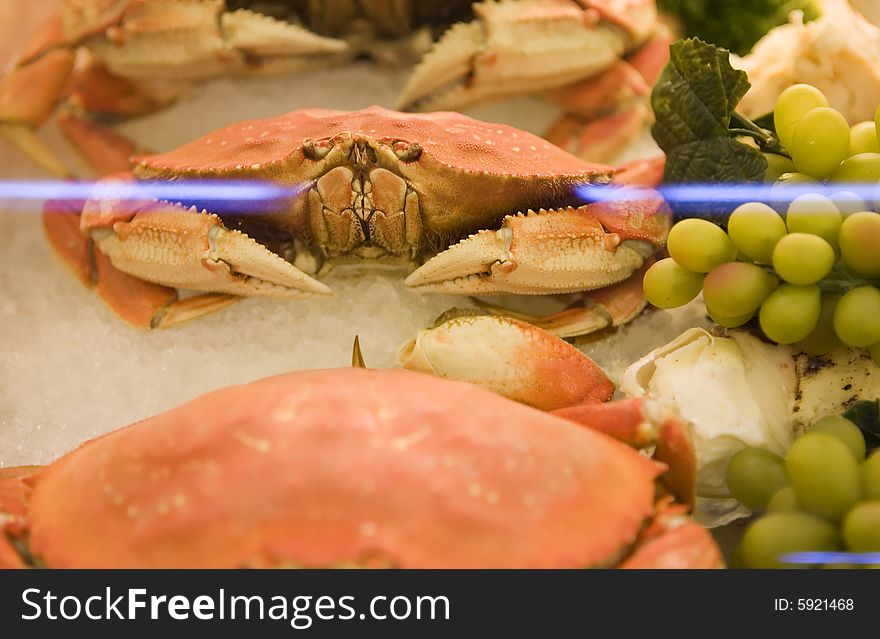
{"x": 487, "y": 208}
{"x": 348, "y": 467}
{"x": 598, "y": 59}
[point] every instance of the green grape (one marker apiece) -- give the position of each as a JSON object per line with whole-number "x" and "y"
{"x": 791, "y": 313}
{"x": 778, "y": 534}
{"x": 784, "y": 189}
{"x": 791, "y": 105}
{"x": 817, "y": 215}
{"x": 737, "y": 288}
{"x": 857, "y": 317}
{"x": 783, "y": 500}
{"x": 824, "y": 474}
{"x": 874, "y": 349}
{"x": 861, "y": 527}
{"x": 776, "y": 166}
{"x": 823, "y": 339}
{"x": 801, "y": 258}
{"x": 863, "y": 138}
{"x": 859, "y": 239}
{"x": 846, "y": 431}
{"x": 699, "y": 246}
{"x": 848, "y": 203}
{"x": 871, "y": 476}
{"x": 668, "y": 285}
{"x": 877, "y": 121}
{"x": 754, "y": 475}
{"x": 820, "y": 142}
{"x": 859, "y": 169}
{"x": 788, "y": 179}
{"x": 755, "y": 229}
{"x": 734, "y": 321}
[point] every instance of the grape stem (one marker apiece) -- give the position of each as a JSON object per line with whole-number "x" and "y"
{"x": 767, "y": 142}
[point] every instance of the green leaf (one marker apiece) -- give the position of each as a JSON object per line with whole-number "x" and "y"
{"x": 697, "y": 94}
{"x": 719, "y": 159}
{"x": 696, "y": 123}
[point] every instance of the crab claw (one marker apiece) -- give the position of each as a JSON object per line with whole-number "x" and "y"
{"x": 674, "y": 540}
{"x": 174, "y": 246}
{"x": 199, "y": 39}
{"x": 525, "y": 46}
{"x": 550, "y": 251}
{"x": 14, "y": 496}
{"x": 27, "y": 97}
{"x": 642, "y": 423}
{"x": 507, "y": 356}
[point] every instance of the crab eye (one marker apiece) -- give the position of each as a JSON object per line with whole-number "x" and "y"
{"x": 406, "y": 151}
{"x": 316, "y": 150}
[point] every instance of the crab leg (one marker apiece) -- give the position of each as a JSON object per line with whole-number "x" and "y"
{"x": 641, "y": 423}
{"x": 606, "y": 112}
{"x": 140, "y": 303}
{"x": 27, "y": 97}
{"x": 550, "y": 251}
{"x": 136, "y": 253}
{"x": 674, "y": 540}
{"x": 509, "y": 357}
{"x": 593, "y": 311}
{"x": 15, "y": 493}
{"x": 105, "y": 150}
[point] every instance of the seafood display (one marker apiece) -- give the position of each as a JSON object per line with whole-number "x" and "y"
{"x": 639, "y": 360}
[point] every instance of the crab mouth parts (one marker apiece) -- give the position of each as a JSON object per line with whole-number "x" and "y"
{"x": 364, "y": 211}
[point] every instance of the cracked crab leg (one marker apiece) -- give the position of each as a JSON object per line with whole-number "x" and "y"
{"x": 550, "y": 251}
{"x": 512, "y": 358}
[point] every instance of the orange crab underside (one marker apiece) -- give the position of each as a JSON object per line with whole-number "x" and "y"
{"x": 328, "y": 468}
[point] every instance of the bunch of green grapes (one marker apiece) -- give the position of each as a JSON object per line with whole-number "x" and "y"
{"x": 809, "y": 276}
{"x": 824, "y": 496}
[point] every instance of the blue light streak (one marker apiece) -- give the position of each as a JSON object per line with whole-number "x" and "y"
{"x": 229, "y": 194}
{"x": 831, "y": 558}
{"x": 246, "y": 194}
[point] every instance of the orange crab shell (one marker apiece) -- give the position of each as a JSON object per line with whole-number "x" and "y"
{"x": 449, "y": 138}
{"x": 344, "y": 467}
{"x": 468, "y": 173}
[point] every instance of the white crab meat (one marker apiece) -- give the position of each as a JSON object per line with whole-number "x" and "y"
{"x": 736, "y": 391}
